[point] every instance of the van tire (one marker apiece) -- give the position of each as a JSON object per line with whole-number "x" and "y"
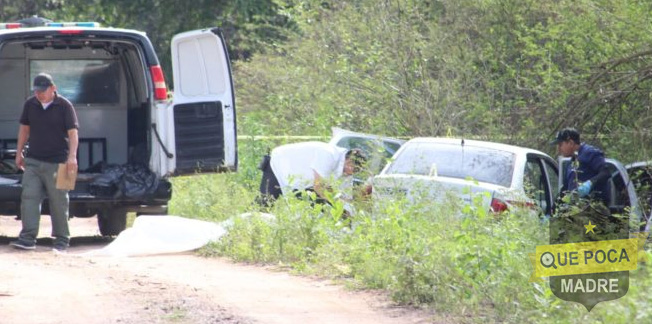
{"x": 112, "y": 221}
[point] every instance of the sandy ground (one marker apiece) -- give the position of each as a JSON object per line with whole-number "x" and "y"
{"x": 43, "y": 287}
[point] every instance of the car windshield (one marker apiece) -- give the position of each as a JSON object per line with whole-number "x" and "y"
{"x": 456, "y": 161}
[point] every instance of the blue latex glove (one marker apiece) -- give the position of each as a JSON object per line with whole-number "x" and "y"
{"x": 584, "y": 189}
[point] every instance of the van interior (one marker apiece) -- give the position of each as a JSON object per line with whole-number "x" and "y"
{"x": 106, "y": 80}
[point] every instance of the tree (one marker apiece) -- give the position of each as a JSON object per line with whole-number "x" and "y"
{"x": 511, "y": 70}
{"x": 249, "y": 25}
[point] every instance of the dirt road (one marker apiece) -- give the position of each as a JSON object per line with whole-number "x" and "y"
{"x": 43, "y": 287}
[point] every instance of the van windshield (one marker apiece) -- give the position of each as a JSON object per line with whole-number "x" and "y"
{"x": 456, "y": 161}
{"x": 82, "y": 81}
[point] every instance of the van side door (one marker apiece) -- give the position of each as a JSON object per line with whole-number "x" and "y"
{"x": 203, "y": 105}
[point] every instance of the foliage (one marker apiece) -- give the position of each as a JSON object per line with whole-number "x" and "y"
{"x": 510, "y": 70}
{"x": 462, "y": 262}
{"x": 467, "y": 264}
{"x": 218, "y": 197}
{"x": 249, "y": 25}
{"x": 513, "y": 71}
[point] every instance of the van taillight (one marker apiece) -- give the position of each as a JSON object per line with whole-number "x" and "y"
{"x": 160, "y": 90}
{"x": 498, "y": 206}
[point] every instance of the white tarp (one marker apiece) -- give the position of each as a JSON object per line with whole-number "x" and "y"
{"x": 161, "y": 234}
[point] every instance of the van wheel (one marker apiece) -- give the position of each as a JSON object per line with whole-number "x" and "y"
{"x": 112, "y": 221}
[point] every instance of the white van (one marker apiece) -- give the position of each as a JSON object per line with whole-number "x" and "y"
{"x": 132, "y": 136}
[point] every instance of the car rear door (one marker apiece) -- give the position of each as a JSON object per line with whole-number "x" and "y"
{"x": 540, "y": 181}
{"x": 203, "y": 110}
{"x": 623, "y": 194}
{"x": 640, "y": 174}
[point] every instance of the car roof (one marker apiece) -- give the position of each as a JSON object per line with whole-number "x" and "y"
{"x": 458, "y": 141}
{"x": 638, "y": 164}
{"x": 339, "y": 133}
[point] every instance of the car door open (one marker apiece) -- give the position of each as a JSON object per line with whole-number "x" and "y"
{"x": 623, "y": 198}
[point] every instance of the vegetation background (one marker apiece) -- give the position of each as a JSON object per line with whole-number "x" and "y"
{"x": 509, "y": 70}
{"x": 512, "y": 71}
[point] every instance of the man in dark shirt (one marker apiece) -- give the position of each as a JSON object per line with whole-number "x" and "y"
{"x": 592, "y": 172}
{"x": 50, "y": 124}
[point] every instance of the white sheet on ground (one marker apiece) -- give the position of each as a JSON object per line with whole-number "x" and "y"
{"x": 151, "y": 235}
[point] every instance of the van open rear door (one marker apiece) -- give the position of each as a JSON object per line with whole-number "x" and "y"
{"x": 203, "y": 105}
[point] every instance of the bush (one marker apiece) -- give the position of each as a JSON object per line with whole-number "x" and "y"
{"x": 458, "y": 259}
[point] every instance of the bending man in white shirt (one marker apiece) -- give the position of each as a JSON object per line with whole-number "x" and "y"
{"x": 307, "y": 166}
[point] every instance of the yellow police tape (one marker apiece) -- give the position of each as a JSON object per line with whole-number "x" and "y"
{"x": 586, "y": 257}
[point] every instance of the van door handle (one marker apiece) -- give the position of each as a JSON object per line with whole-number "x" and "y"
{"x": 160, "y": 142}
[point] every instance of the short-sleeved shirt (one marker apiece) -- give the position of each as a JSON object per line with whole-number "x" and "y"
{"x": 591, "y": 160}
{"x": 48, "y": 128}
{"x": 294, "y": 164}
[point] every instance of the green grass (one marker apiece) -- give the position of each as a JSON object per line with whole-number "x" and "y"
{"x": 462, "y": 262}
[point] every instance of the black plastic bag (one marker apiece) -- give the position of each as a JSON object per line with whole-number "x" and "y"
{"x": 131, "y": 180}
{"x": 106, "y": 184}
{"x": 138, "y": 182}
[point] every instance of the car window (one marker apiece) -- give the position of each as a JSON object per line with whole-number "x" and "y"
{"x": 378, "y": 152}
{"x": 536, "y": 183}
{"x": 619, "y": 194}
{"x": 365, "y": 144}
{"x": 456, "y": 161}
{"x": 390, "y": 148}
{"x": 553, "y": 178}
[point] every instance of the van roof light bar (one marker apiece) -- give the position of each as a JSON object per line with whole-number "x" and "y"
{"x": 10, "y": 25}
{"x": 73, "y": 24}
{"x": 15, "y": 25}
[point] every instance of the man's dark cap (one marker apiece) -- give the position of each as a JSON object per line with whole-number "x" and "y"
{"x": 565, "y": 135}
{"x": 42, "y": 82}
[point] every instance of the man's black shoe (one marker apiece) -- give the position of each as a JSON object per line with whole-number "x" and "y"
{"x": 23, "y": 245}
